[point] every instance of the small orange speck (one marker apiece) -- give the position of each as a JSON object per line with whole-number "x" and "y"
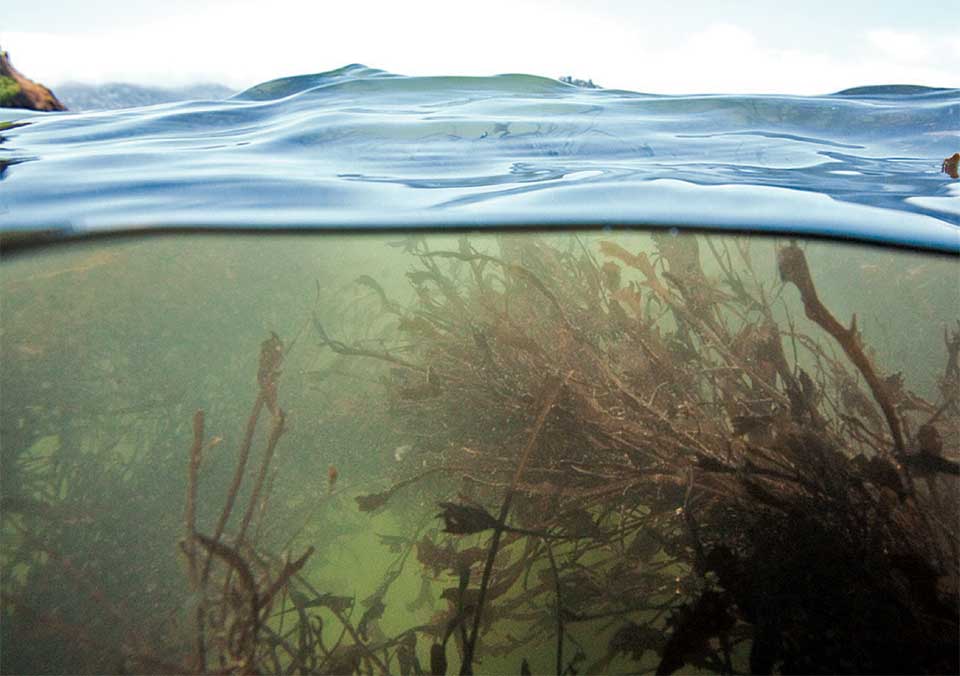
{"x": 332, "y": 475}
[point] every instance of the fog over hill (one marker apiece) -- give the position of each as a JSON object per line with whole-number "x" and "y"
{"x": 77, "y": 96}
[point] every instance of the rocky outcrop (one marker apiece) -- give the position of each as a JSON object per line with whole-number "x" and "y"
{"x": 17, "y": 91}
{"x": 951, "y": 166}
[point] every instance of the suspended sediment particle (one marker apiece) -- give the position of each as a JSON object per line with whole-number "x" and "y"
{"x": 951, "y": 166}
{"x": 332, "y": 475}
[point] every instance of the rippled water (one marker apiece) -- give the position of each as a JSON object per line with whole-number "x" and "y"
{"x": 362, "y": 147}
{"x": 230, "y": 452}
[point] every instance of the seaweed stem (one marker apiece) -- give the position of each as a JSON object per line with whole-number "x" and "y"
{"x": 556, "y": 582}
{"x": 793, "y": 268}
{"x": 189, "y": 546}
{"x": 237, "y": 476}
{"x": 344, "y": 349}
{"x": 190, "y": 517}
{"x": 233, "y": 559}
{"x": 553, "y": 386}
{"x": 276, "y": 431}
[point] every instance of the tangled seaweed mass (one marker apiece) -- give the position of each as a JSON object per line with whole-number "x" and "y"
{"x": 670, "y": 456}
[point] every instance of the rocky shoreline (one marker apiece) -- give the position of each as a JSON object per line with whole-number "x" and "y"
{"x": 19, "y": 91}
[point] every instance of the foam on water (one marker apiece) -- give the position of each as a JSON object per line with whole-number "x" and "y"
{"x": 359, "y": 147}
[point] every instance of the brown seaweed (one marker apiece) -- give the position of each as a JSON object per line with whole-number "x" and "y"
{"x": 673, "y": 442}
{"x": 649, "y": 453}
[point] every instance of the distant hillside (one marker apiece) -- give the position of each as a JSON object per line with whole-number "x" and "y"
{"x": 78, "y": 97}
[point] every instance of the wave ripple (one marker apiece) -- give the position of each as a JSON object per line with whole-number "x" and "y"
{"x": 360, "y": 147}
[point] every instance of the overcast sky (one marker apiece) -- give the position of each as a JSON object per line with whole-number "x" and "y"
{"x": 684, "y": 46}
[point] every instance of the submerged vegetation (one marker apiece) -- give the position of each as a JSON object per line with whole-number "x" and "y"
{"x": 600, "y": 453}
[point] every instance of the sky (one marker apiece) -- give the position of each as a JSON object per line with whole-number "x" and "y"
{"x": 680, "y": 47}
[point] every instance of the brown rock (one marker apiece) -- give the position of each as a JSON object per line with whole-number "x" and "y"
{"x": 23, "y": 92}
{"x": 951, "y": 166}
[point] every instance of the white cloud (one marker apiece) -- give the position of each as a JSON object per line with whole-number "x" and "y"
{"x": 248, "y": 45}
{"x": 903, "y": 47}
{"x": 728, "y": 58}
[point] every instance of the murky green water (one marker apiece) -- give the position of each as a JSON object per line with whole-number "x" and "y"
{"x": 705, "y": 478}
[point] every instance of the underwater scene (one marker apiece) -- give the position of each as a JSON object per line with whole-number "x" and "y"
{"x": 550, "y": 451}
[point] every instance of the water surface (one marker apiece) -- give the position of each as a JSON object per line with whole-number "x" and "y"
{"x": 362, "y": 147}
